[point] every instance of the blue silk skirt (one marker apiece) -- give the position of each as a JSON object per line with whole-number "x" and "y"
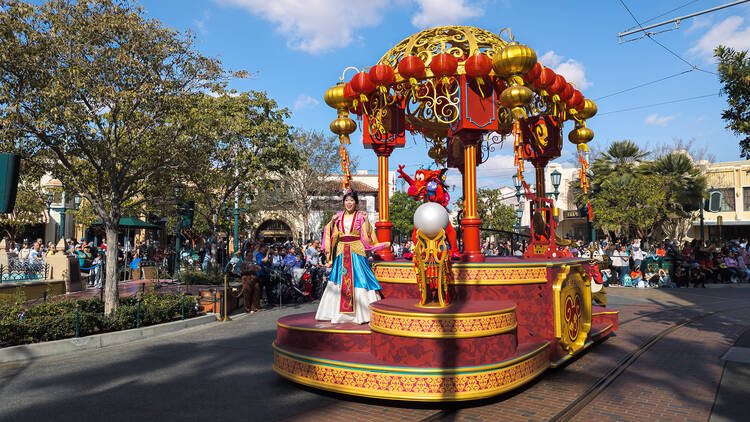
{"x": 363, "y": 275}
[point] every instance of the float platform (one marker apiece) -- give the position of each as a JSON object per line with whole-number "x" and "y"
{"x": 509, "y": 320}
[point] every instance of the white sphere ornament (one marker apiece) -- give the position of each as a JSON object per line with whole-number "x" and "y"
{"x": 430, "y": 217}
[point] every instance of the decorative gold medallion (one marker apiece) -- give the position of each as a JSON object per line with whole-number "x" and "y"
{"x": 572, "y": 307}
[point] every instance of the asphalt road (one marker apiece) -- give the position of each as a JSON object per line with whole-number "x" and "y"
{"x": 215, "y": 372}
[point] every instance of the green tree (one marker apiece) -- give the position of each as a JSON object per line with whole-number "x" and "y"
{"x": 309, "y": 187}
{"x": 401, "y": 209}
{"x": 101, "y": 88}
{"x": 734, "y": 74}
{"x": 238, "y": 139}
{"x": 629, "y": 204}
{"x": 493, "y": 213}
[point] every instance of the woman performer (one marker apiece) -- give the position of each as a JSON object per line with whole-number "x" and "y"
{"x": 351, "y": 286}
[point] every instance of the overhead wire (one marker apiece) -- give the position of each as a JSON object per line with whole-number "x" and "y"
{"x": 657, "y": 104}
{"x": 662, "y": 45}
{"x": 643, "y": 84}
{"x": 665, "y": 13}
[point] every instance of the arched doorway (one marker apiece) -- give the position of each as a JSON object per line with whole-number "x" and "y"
{"x": 272, "y": 231}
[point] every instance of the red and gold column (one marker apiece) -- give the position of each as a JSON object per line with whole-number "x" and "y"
{"x": 383, "y": 226}
{"x": 471, "y": 221}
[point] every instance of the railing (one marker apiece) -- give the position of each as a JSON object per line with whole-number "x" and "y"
{"x": 18, "y": 271}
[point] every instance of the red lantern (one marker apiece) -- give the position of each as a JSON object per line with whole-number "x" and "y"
{"x": 533, "y": 73}
{"x": 546, "y": 77}
{"x": 575, "y": 99}
{"x": 444, "y": 64}
{"x": 349, "y": 93}
{"x": 411, "y": 67}
{"x": 567, "y": 92}
{"x": 361, "y": 83}
{"x": 382, "y": 75}
{"x": 478, "y": 65}
{"x": 558, "y": 86}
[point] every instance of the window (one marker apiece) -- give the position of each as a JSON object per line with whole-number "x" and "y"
{"x": 727, "y": 200}
{"x": 746, "y": 198}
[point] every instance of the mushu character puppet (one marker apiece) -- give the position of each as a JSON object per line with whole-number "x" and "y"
{"x": 430, "y": 186}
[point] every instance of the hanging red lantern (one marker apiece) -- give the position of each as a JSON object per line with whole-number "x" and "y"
{"x": 567, "y": 92}
{"x": 534, "y": 73}
{"x": 361, "y": 83}
{"x": 444, "y": 64}
{"x": 382, "y": 75}
{"x": 558, "y": 85}
{"x": 349, "y": 93}
{"x": 411, "y": 67}
{"x": 576, "y": 100}
{"x": 546, "y": 77}
{"x": 478, "y": 65}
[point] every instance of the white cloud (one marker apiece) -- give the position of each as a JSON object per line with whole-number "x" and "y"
{"x": 701, "y": 117}
{"x": 443, "y": 12}
{"x": 200, "y": 24}
{"x": 699, "y": 22}
{"x": 572, "y": 70}
{"x": 316, "y": 26}
{"x": 655, "y": 119}
{"x": 304, "y": 101}
{"x": 730, "y": 32}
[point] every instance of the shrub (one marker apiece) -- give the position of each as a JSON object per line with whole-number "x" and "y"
{"x": 197, "y": 277}
{"x": 56, "y": 320}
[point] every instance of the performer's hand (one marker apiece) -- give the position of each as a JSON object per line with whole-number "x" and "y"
{"x": 387, "y": 244}
{"x": 327, "y": 265}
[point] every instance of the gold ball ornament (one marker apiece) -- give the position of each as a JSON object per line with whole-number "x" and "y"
{"x": 343, "y": 126}
{"x": 437, "y": 152}
{"x": 335, "y": 98}
{"x": 589, "y": 110}
{"x": 516, "y": 96}
{"x": 581, "y": 135}
{"x": 514, "y": 59}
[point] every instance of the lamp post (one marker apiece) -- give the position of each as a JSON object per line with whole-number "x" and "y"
{"x": 63, "y": 209}
{"x": 183, "y": 209}
{"x": 519, "y": 216}
{"x": 517, "y": 184}
{"x": 555, "y": 176}
{"x": 236, "y": 211}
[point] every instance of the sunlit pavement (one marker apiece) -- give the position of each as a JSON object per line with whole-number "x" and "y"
{"x": 223, "y": 372}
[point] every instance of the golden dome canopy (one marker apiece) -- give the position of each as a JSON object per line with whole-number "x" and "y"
{"x": 461, "y": 41}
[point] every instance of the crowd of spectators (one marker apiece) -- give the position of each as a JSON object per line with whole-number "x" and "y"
{"x": 668, "y": 263}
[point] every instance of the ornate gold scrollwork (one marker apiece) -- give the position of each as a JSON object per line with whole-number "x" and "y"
{"x": 432, "y": 264}
{"x": 572, "y": 307}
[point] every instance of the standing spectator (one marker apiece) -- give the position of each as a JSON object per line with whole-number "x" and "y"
{"x": 251, "y": 287}
{"x": 135, "y": 264}
{"x": 312, "y": 253}
{"x": 97, "y": 267}
{"x": 636, "y": 254}
{"x": 620, "y": 263}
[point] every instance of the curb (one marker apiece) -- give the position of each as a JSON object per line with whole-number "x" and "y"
{"x": 97, "y": 341}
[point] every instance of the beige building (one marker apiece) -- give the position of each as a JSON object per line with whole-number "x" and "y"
{"x": 732, "y": 179}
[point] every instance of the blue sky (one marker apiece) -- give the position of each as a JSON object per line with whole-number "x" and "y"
{"x": 298, "y": 49}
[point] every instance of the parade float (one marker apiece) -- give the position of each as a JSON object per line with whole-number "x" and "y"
{"x": 455, "y": 325}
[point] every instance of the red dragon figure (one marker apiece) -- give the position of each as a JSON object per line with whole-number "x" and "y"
{"x": 430, "y": 186}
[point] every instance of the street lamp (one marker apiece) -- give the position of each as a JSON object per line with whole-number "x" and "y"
{"x": 517, "y": 184}
{"x": 236, "y": 211}
{"x": 63, "y": 209}
{"x": 555, "y": 176}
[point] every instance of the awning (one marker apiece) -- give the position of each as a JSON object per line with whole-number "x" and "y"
{"x": 132, "y": 222}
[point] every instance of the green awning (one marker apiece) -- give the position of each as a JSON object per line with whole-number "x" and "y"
{"x": 133, "y": 222}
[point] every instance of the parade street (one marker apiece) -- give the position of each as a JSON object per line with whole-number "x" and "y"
{"x": 222, "y": 371}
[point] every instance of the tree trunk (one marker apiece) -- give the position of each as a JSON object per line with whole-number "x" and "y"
{"x": 111, "y": 293}
{"x": 305, "y": 227}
